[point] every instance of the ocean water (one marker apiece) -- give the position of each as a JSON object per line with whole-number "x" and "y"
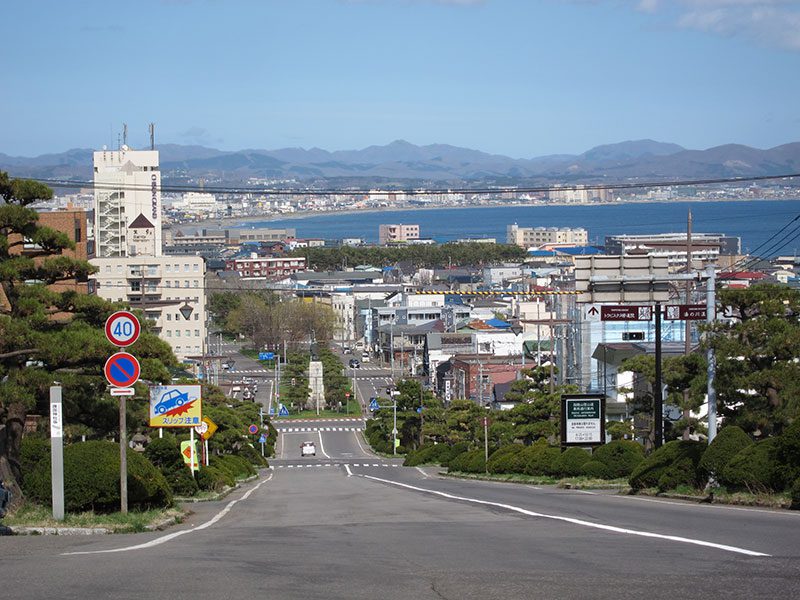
{"x": 766, "y": 227}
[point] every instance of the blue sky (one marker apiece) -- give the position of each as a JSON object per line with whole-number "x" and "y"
{"x": 517, "y": 77}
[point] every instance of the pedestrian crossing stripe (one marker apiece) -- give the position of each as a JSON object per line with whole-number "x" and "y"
{"x": 314, "y": 429}
{"x": 320, "y": 465}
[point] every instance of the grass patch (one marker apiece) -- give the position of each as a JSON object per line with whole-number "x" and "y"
{"x": 575, "y": 483}
{"x": 33, "y": 515}
{"x": 355, "y": 411}
{"x": 723, "y": 496}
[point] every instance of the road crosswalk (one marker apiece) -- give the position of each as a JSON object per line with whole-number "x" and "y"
{"x": 313, "y": 429}
{"x": 320, "y": 465}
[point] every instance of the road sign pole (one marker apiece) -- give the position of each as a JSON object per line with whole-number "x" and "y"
{"x": 394, "y": 429}
{"x": 486, "y": 444}
{"x": 57, "y": 452}
{"x": 658, "y": 400}
{"x": 191, "y": 451}
{"x": 123, "y": 456}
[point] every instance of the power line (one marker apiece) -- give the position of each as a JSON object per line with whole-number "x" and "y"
{"x": 751, "y": 259}
{"x": 267, "y": 191}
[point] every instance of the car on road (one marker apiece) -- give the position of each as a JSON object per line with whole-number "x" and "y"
{"x": 170, "y": 400}
{"x": 365, "y": 357}
{"x": 308, "y": 449}
{"x": 354, "y": 364}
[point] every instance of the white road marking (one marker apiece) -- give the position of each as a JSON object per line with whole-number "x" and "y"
{"x": 321, "y": 445}
{"x": 349, "y": 472}
{"x": 582, "y": 523}
{"x": 355, "y": 433}
{"x": 424, "y": 474}
{"x": 172, "y": 536}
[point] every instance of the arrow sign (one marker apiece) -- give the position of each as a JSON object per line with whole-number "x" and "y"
{"x": 122, "y": 370}
{"x": 122, "y": 328}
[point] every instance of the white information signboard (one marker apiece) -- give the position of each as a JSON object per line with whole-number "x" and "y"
{"x": 582, "y": 419}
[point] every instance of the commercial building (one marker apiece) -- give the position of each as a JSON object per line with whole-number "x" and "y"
{"x": 127, "y": 186}
{"x": 388, "y": 234}
{"x": 160, "y": 286}
{"x": 170, "y": 290}
{"x": 72, "y": 222}
{"x": 528, "y": 237}
{"x": 706, "y": 247}
{"x": 256, "y": 267}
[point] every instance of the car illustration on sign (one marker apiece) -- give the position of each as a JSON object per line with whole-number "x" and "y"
{"x": 171, "y": 399}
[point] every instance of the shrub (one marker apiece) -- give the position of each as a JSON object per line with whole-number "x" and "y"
{"x": 235, "y": 466}
{"x": 212, "y": 479}
{"x": 787, "y": 453}
{"x": 91, "y": 479}
{"x": 754, "y": 468}
{"x": 620, "y": 457}
{"x": 469, "y": 462}
{"x": 542, "y": 459}
{"x": 180, "y": 481}
{"x": 453, "y": 451}
{"x": 253, "y": 456}
{"x": 794, "y": 493}
{"x": 165, "y": 454}
{"x": 595, "y": 469}
{"x": 722, "y": 449}
{"x": 679, "y": 456}
{"x": 571, "y": 460}
{"x": 425, "y": 454}
{"x": 501, "y": 460}
{"x": 31, "y": 452}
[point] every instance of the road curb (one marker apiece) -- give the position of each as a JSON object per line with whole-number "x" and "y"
{"x": 29, "y": 530}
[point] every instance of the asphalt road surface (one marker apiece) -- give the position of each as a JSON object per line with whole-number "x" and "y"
{"x": 348, "y": 524}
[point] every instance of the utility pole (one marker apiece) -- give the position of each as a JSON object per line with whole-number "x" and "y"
{"x": 687, "y": 346}
{"x": 711, "y": 313}
{"x": 658, "y": 399}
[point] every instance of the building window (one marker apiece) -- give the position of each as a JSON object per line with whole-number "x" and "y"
{"x": 196, "y": 316}
{"x": 196, "y": 267}
{"x": 186, "y": 267}
{"x": 196, "y": 283}
{"x": 177, "y": 333}
{"x": 186, "y": 283}
{"x": 169, "y": 283}
{"x": 169, "y": 331}
{"x": 196, "y": 333}
{"x": 169, "y": 316}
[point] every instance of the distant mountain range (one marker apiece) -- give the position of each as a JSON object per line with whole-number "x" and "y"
{"x": 403, "y": 161}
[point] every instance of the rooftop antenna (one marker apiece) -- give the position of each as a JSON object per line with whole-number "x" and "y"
{"x": 152, "y": 128}
{"x": 119, "y": 142}
{"x": 124, "y": 134}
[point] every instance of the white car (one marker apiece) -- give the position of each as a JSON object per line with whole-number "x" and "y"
{"x": 308, "y": 449}
{"x": 365, "y": 357}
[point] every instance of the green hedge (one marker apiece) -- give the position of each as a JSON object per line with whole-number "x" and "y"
{"x": 755, "y": 468}
{"x": 620, "y": 457}
{"x": 469, "y": 462}
{"x": 542, "y": 460}
{"x": 454, "y": 451}
{"x": 596, "y": 470}
{"x": 91, "y": 479}
{"x": 787, "y": 453}
{"x": 730, "y": 441}
{"x": 794, "y": 493}
{"x": 675, "y": 463}
{"x": 571, "y": 461}
{"x": 31, "y": 452}
{"x": 212, "y": 479}
{"x": 427, "y": 454}
{"x": 165, "y": 454}
{"x": 501, "y": 460}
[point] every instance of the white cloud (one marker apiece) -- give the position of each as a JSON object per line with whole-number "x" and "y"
{"x": 768, "y": 22}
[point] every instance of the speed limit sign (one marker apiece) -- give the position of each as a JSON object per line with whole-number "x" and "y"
{"x": 122, "y": 328}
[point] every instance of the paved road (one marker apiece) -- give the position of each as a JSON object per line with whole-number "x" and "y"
{"x": 362, "y": 527}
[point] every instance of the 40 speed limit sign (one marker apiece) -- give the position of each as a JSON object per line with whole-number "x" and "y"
{"x": 122, "y": 328}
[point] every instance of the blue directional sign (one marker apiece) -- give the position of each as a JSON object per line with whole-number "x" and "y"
{"x": 283, "y": 412}
{"x": 373, "y": 404}
{"x": 266, "y": 356}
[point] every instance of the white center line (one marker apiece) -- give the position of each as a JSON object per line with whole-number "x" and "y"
{"x": 349, "y": 472}
{"x": 580, "y": 522}
{"x": 172, "y": 536}
{"x": 321, "y": 445}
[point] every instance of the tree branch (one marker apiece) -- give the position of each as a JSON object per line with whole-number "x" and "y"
{"x": 19, "y": 353}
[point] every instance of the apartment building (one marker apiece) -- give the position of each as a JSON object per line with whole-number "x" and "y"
{"x": 256, "y": 267}
{"x": 388, "y": 234}
{"x": 534, "y": 237}
{"x": 706, "y": 247}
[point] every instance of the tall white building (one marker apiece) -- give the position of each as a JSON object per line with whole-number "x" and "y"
{"x": 127, "y": 186}
{"x": 528, "y": 237}
{"x": 169, "y": 290}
